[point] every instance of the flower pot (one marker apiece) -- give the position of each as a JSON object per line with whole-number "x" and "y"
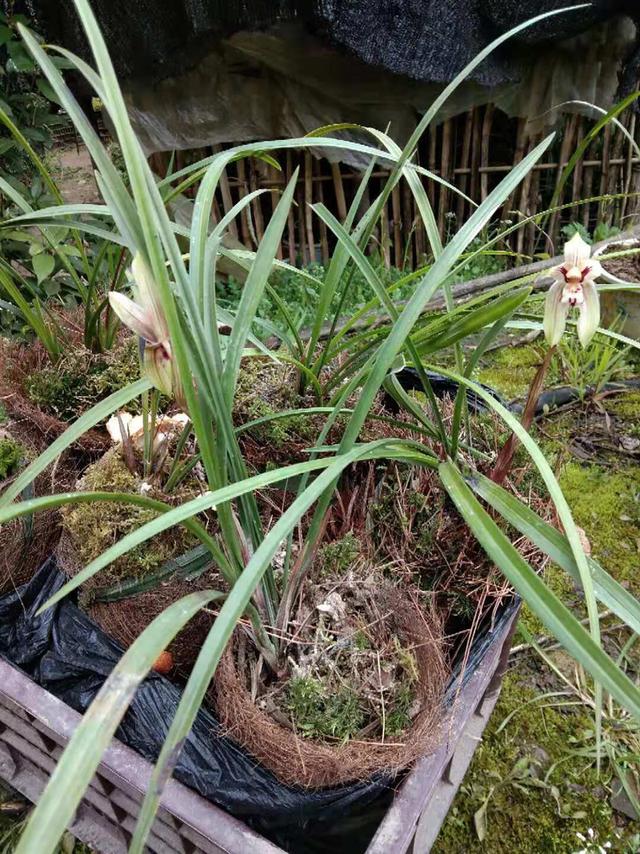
{"x": 37, "y": 725}
{"x": 621, "y": 271}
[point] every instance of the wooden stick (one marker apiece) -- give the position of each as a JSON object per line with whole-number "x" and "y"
{"x": 475, "y": 154}
{"x": 308, "y": 201}
{"x": 338, "y": 185}
{"x": 324, "y": 242}
{"x": 291, "y": 226}
{"x": 445, "y": 161}
{"x": 628, "y": 168}
{"x": 464, "y": 162}
{"x": 565, "y": 153}
{"x": 604, "y": 172}
{"x": 484, "y": 150}
{"x": 521, "y": 137}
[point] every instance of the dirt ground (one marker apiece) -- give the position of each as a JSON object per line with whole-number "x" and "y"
{"x": 72, "y": 170}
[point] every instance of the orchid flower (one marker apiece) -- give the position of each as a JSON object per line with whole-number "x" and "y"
{"x": 573, "y": 288}
{"x": 145, "y": 317}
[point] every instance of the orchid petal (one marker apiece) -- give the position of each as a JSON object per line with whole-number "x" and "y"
{"x": 158, "y": 368}
{"x": 594, "y": 270}
{"x": 555, "y": 314}
{"x": 146, "y": 287}
{"x": 132, "y": 315}
{"x": 576, "y": 252}
{"x": 589, "y": 318}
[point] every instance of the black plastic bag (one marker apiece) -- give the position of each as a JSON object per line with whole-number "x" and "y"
{"x": 66, "y": 653}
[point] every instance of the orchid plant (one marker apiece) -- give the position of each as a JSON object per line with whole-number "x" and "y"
{"x": 174, "y": 312}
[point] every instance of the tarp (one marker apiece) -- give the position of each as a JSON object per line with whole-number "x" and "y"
{"x": 202, "y": 72}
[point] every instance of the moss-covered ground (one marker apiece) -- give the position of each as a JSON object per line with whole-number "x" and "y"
{"x": 532, "y": 786}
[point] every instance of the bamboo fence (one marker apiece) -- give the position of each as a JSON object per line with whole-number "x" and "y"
{"x": 473, "y": 151}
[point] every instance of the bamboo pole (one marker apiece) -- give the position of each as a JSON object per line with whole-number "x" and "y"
{"x": 521, "y": 138}
{"x": 604, "y": 172}
{"x": 565, "y": 152}
{"x": 578, "y": 172}
{"x": 615, "y": 178}
{"x": 338, "y": 186}
{"x": 587, "y": 187}
{"x": 475, "y": 154}
{"x": 464, "y": 161}
{"x": 525, "y": 193}
{"x": 445, "y": 161}
{"x": 308, "y": 201}
{"x": 324, "y": 242}
{"x": 291, "y": 225}
{"x": 628, "y": 169}
{"x": 484, "y": 150}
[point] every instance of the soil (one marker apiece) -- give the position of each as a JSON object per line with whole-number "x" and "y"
{"x": 627, "y": 267}
{"x": 72, "y": 170}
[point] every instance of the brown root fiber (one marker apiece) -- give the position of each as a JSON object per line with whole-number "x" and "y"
{"x": 125, "y": 619}
{"x": 313, "y": 763}
{"x": 19, "y": 362}
{"x": 25, "y": 543}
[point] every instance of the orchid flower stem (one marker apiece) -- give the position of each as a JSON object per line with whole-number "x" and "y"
{"x": 505, "y": 457}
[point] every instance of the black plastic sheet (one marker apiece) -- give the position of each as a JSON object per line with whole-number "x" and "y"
{"x": 66, "y": 653}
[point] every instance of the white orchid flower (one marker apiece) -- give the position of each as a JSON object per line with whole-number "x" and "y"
{"x": 133, "y": 426}
{"x": 573, "y": 288}
{"x": 145, "y": 317}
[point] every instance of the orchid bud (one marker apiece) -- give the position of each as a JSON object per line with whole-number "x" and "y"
{"x": 145, "y": 317}
{"x": 573, "y": 288}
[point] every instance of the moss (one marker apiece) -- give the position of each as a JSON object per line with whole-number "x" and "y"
{"x": 75, "y": 383}
{"x": 319, "y": 713}
{"x": 537, "y": 797}
{"x": 509, "y": 370}
{"x": 92, "y": 529}
{"x": 607, "y": 505}
{"x": 560, "y": 583}
{"x": 625, "y": 406}
{"x": 11, "y": 452}
{"x": 337, "y": 557}
{"x": 3, "y": 415}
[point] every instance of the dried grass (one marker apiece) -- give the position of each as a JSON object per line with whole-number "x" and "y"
{"x": 314, "y": 764}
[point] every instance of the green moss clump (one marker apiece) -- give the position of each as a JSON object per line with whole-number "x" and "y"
{"x": 319, "y": 713}
{"x": 92, "y": 527}
{"x": 536, "y": 800}
{"x": 509, "y": 370}
{"x": 560, "y": 583}
{"x": 3, "y": 415}
{"x": 75, "y": 383}
{"x": 625, "y": 406}
{"x": 11, "y": 453}
{"x": 606, "y": 504}
{"x": 338, "y": 557}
